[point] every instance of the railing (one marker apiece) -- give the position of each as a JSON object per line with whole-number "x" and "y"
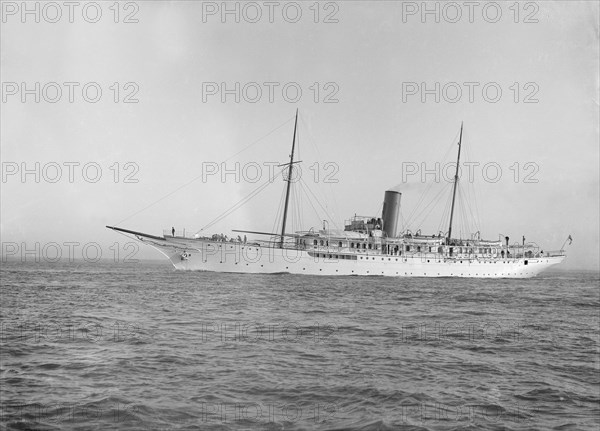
{"x": 553, "y": 253}
{"x": 182, "y": 233}
{"x": 178, "y": 233}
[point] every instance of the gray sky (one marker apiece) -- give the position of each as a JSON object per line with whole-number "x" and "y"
{"x": 372, "y": 57}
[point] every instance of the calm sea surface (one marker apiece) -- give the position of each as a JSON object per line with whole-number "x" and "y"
{"x": 140, "y": 346}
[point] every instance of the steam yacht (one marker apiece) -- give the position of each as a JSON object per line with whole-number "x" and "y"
{"x": 367, "y": 246}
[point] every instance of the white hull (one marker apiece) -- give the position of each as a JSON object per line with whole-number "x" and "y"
{"x": 200, "y": 255}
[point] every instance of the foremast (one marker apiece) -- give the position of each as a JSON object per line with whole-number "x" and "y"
{"x": 455, "y": 184}
{"x": 289, "y": 183}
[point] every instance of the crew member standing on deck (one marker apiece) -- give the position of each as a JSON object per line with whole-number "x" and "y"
{"x": 173, "y": 231}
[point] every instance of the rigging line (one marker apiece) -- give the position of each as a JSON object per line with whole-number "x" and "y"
{"x": 462, "y": 220}
{"x": 379, "y": 211}
{"x": 468, "y": 206}
{"x": 331, "y": 219}
{"x": 297, "y": 210}
{"x": 279, "y": 214}
{"x": 473, "y": 205}
{"x": 294, "y": 190}
{"x": 450, "y": 147}
{"x": 292, "y": 212}
{"x": 201, "y": 175}
{"x": 320, "y": 165}
{"x": 277, "y": 219}
{"x": 402, "y": 218}
{"x": 324, "y": 196}
{"x": 445, "y": 209}
{"x": 474, "y": 200}
{"x": 421, "y": 218}
{"x": 444, "y": 158}
{"x": 469, "y": 223}
{"x": 426, "y": 191}
{"x": 433, "y": 201}
{"x": 240, "y": 203}
{"x": 417, "y": 207}
{"x": 459, "y": 214}
{"x": 324, "y": 210}
{"x": 281, "y": 210}
{"x": 309, "y": 137}
{"x": 473, "y": 217}
{"x": 445, "y": 214}
{"x": 298, "y": 144}
{"x": 430, "y": 185}
{"x": 260, "y": 139}
{"x": 310, "y": 202}
{"x": 472, "y": 191}
{"x": 300, "y": 208}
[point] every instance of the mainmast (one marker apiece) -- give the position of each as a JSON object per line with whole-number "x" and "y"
{"x": 289, "y": 182}
{"x": 455, "y": 184}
